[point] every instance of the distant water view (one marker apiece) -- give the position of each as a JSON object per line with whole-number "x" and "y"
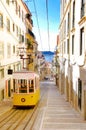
{"x": 48, "y": 55}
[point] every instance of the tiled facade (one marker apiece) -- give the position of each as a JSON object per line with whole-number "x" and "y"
{"x": 72, "y": 53}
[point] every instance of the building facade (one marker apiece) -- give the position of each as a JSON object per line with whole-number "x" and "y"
{"x": 28, "y": 52}
{"x": 12, "y": 38}
{"x": 72, "y": 53}
{"x": 41, "y": 65}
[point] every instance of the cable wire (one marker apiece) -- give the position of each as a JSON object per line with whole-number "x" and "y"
{"x": 37, "y": 23}
{"x": 27, "y": 1}
{"x": 48, "y": 24}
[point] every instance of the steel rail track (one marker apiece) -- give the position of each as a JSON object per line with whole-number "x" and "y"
{"x": 31, "y": 121}
{"x": 21, "y": 119}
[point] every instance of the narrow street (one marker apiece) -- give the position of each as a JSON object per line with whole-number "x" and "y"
{"x": 43, "y": 50}
{"x": 53, "y": 113}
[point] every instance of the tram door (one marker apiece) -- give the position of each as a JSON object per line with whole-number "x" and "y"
{"x": 79, "y": 93}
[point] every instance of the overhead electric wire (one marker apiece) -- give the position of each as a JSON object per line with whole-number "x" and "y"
{"x": 37, "y": 20}
{"x": 38, "y": 23}
{"x": 48, "y": 24}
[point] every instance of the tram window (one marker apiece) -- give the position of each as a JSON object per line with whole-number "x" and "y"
{"x": 31, "y": 86}
{"x": 23, "y": 86}
{"x": 15, "y": 86}
{"x": 32, "y": 83}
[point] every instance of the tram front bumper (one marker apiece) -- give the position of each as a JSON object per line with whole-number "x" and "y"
{"x": 25, "y": 99}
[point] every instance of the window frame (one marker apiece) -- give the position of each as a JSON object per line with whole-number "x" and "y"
{"x": 73, "y": 40}
{"x": 82, "y": 8}
{"x": 8, "y": 2}
{"x": 73, "y": 15}
{"x": 1, "y": 73}
{"x": 1, "y": 20}
{"x": 8, "y": 25}
{"x": 81, "y": 41}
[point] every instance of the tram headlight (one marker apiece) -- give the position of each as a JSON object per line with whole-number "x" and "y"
{"x": 22, "y": 99}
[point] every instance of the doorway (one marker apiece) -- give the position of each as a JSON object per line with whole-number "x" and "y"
{"x": 79, "y": 94}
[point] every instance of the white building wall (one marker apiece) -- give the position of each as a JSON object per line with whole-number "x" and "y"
{"x": 10, "y": 38}
{"x": 74, "y": 63}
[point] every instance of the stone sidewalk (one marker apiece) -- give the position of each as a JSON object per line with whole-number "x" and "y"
{"x": 58, "y": 114}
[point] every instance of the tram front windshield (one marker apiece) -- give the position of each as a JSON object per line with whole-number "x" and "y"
{"x": 23, "y": 86}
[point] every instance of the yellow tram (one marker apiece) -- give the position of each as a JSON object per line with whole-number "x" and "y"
{"x": 26, "y": 88}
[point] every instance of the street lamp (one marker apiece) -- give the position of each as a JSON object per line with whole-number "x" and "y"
{"x": 25, "y": 56}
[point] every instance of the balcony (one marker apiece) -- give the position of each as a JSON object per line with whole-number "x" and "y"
{"x": 28, "y": 16}
{"x": 29, "y": 44}
{"x": 31, "y": 33}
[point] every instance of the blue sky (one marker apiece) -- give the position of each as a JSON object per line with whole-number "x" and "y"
{"x": 54, "y": 19}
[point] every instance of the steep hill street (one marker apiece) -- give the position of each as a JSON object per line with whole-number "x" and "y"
{"x": 54, "y": 113}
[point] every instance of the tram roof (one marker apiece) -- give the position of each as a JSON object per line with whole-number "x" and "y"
{"x": 24, "y": 74}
